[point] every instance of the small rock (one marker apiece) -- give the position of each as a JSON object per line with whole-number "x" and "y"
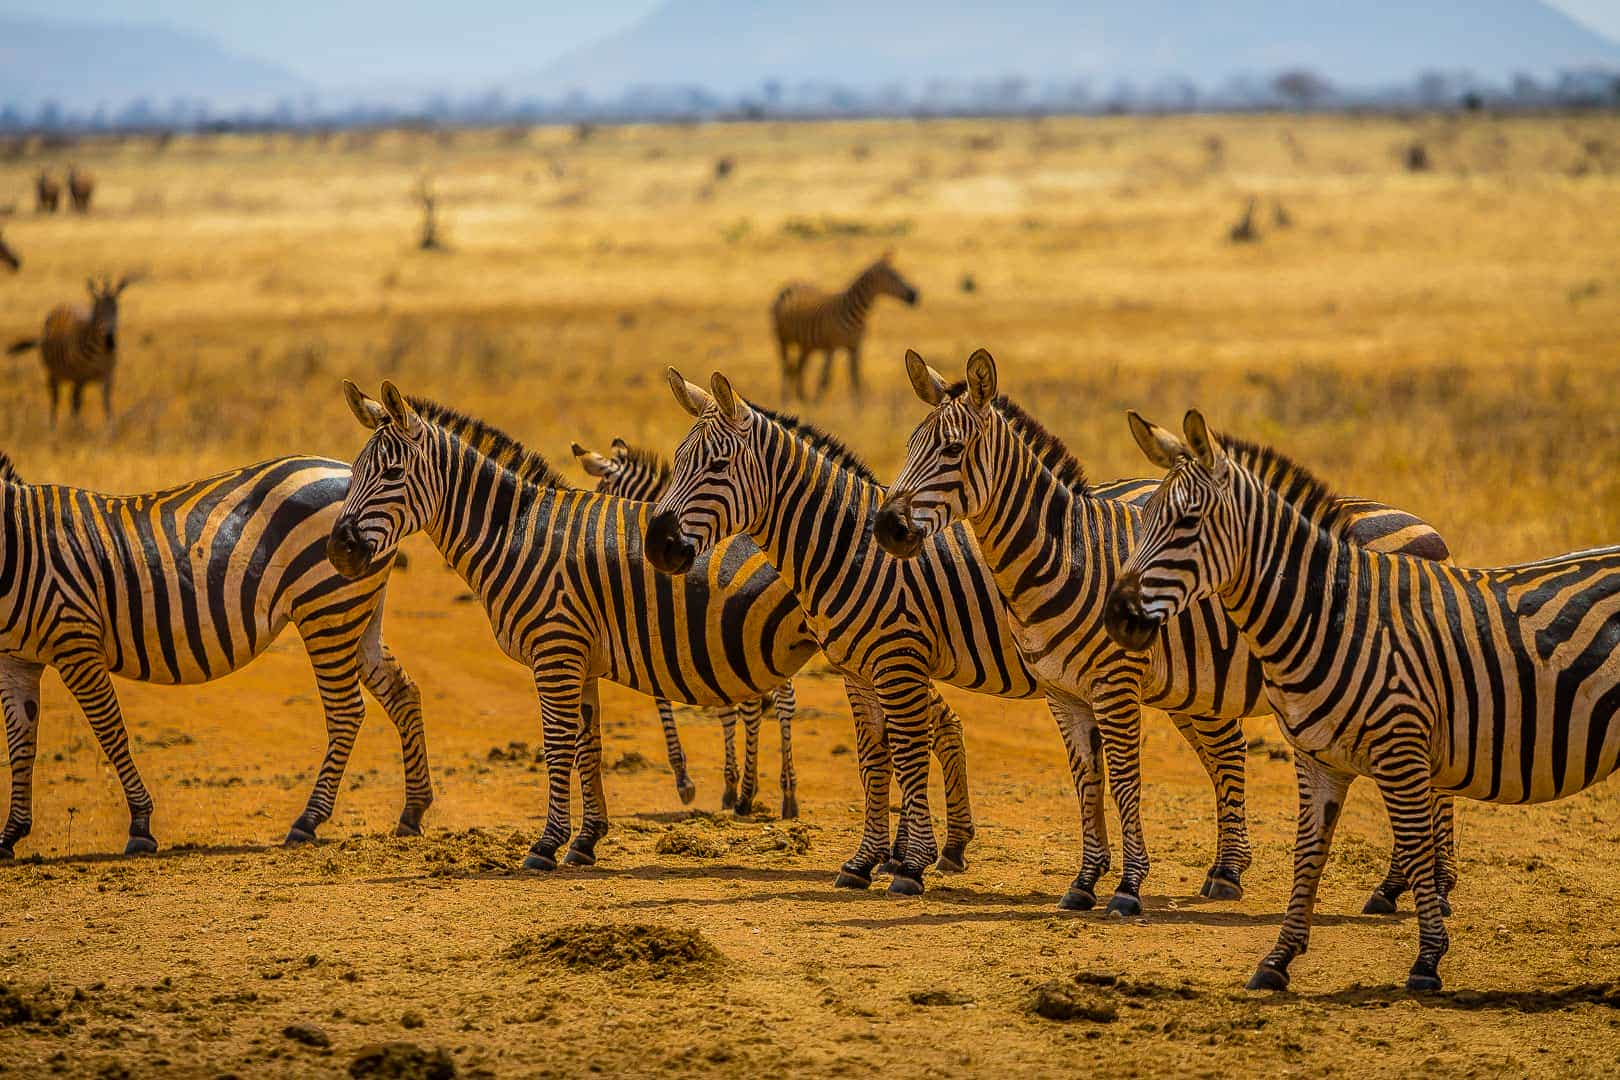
{"x": 308, "y": 1034}
{"x": 411, "y": 1019}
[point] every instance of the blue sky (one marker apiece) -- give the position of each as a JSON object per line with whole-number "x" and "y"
{"x": 344, "y": 44}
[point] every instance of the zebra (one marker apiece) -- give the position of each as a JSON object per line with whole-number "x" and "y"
{"x": 812, "y": 320}
{"x": 562, "y": 579}
{"x": 47, "y": 193}
{"x": 1501, "y": 685}
{"x": 1054, "y": 544}
{"x": 184, "y": 586}
{"x": 81, "y": 347}
{"x": 81, "y": 186}
{"x": 638, "y": 474}
{"x": 895, "y": 625}
{"x": 8, "y": 257}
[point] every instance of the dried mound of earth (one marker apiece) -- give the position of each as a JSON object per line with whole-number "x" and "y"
{"x": 659, "y": 950}
{"x": 402, "y": 1061}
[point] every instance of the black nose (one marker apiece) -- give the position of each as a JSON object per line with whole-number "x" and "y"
{"x": 112, "y": 342}
{"x": 1124, "y": 618}
{"x": 911, "y": 297}
{"x": 895, "y": 532}
{"x": 667, "y": 548}
{"x": 348, "y": 551}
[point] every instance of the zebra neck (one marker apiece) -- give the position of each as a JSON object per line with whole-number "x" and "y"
{"x": 859, "y": 296}
{"x": 478, "y": 508}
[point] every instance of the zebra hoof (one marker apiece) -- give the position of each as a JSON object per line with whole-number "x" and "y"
{"x": 686, "y": 790}
{"x": 852, "y": 879}
{"x": 890, "y": 866}
{"x": 1078, "y": 899}
{"x": 140, "y": 845}
{"x": 1266, "y": 977}
{"x": 1222, "y": 885}
{"x": 7, "y": 853}
{"x": 1445, "y": 907}
{"x": 1424, "y": 976}
{"x": 577, "y": 857}
{"x": 790, "y": 807}
{"x": 728, "y": 798}
{"x": 951, "y": 862}
{"x": 406, "y": 828}
{"x": 1123, "y": 903}
{"x": 1378, "y": 904}
{"x": 743, "y": 806}
{"x": 536, "y": 861}
{"x": 905, "y": 885}
{"x": 299, "y": 835}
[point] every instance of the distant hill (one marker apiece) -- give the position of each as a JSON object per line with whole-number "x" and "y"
{"x": 81, "y": 66}
{"x": 732, "y": 46}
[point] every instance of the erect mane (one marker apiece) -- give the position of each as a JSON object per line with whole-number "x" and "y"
{"x": 8, "y": 471}
{"x": 823, "y": 441}
{"x": 493, "y": 443}
{"x": 1297, "y": 485}
{"x": 1046, "y": 447}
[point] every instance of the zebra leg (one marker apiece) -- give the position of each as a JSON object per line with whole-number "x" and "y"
{"x": 19, "y": 699}
{"x": 1117, "y": 707}
{"x": 876, "y": 773}
{"x": 1402, "y": 771}
{"x": 1221, "y": 748}
{"x": 786, "y": 703}
{"x": 1445, "y": 837}
{"x": 560, "y": 685}
{"x": 337, "y": 678}
{"x": 1321, "y": 796}
{"x": 952, "y": 757}
{"x": 752, "y": 714}
{"x": 87, "y": 680}
{"x": 906, "y": 700}
{"x": 593, "y": 793}
{"x": 56, "y": 388}
{"x": 787, "y": 372}
{"x": 387, "y": 681}
{"x": 1083, "y": 742}
{"x": 106, "y": 397}
{"x": 672, "y": 747}
{"x": 826, "y": 372}
{"x": 728, "y": 732}
{"x": 76, "y": 400}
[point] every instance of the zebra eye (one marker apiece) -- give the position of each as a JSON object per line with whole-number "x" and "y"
{"x": 393, "y": 473}
{"x": 1187, "y": 522}
{"x": 718, "y": 465}
{"x": 952, "y": 449}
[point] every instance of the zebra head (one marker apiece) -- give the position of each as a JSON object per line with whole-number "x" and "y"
{"x": 624, "y": 472}
{"x": 391, "y": 487}
{"x": 104, "y": 296}
{"x": 715, "y": 486}
{"x": 1185, "y": 551}
{"x": 943, "y": 478}
{"x": 886, "y": 281}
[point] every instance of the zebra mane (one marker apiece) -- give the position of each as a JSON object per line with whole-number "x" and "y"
{"x": 821, "y": 440}
{"x": 1047, "y": 447}
{"x": 491, "y": 442}
{"x": 649, "y": 460}
{"x": 1296, "y": 484}
{"x": 8, "y": 471}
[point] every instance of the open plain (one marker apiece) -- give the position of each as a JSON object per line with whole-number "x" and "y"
{"x": 1442, "y": 339}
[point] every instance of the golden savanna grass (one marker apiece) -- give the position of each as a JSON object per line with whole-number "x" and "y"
{"x": 1443, "y": 340}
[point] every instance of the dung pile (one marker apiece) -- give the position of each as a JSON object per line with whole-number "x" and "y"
{"x": 708, "y": 836}
{"x": 1098, "y": 998}
{"x": 402, "y": 1061}
{"x": 658, "y": 950}
{"x": 21, "y": 1007}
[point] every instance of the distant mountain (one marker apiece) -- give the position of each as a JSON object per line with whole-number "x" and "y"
{"x": 84, "y": 65}
{"x": 734, "y": 46}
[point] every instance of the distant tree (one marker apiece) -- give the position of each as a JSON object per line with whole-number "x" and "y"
{"x": 1301, "y": 87}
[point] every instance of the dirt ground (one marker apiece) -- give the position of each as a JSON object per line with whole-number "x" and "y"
{"x": 1443, "y": 340}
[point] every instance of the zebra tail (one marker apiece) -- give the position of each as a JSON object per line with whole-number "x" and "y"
{"x": 17, "y": 348}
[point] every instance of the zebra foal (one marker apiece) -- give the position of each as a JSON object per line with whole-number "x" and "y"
{"x": 1500, "y": 685}
{"x": 807, "y": 320}
{"x": 79, "y": 345}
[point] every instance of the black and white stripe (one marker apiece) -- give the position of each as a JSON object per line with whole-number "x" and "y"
{"x": 808, "y": 319}
{"x": 80, "y": 345}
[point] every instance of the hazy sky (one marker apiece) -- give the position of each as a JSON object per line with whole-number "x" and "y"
{"x": 459, "y": 46}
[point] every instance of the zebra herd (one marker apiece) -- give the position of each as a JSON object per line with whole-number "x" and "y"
{"x": 1239, "y": 585}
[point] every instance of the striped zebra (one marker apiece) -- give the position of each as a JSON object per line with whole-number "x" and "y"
{"x": 1055, "y": 544}
{"x": 638, "y": 474}
{"x": 81, "y": 186}
{"x": 47, "y": 193}
{"x": 1501, "y": 685}
{"x": 9, "y": 258}
{"x": 895, "y": 625}
{"x": 184, "y": 586}
{"x": 807, "y": 320}
{"x": 81, "y": 346}
{"x": 561, "y": 576}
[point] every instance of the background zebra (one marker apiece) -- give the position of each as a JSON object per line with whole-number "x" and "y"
{"x": 81, "y": 186}
{"x": 1056, "y": 544}
{"x": 8, "y": 257}
{"x": 79, "y": 346}
{"x": 184, "y": 586}
{"x": 47, "y": 193}
{"x": 808, "y": 319}
{"x": 568, "y": 594}
{"x": 641, "y": 475}
{"x": 1501, "y": 685}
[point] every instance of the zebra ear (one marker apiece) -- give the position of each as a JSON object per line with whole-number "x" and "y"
{"x": 693, "y": 398}
{"x": 370, "y": 413}
{"x": 929, "y": 384}
{"x": 1161, "y": 447}
{"x": 733, "y": 406}
{"x": 400, "y": 411}
{"x": 1199, "y": 441}
{"x": 621, "y": 449}
{"x": 593, "y": 463}
{"x": 981, "y": 378}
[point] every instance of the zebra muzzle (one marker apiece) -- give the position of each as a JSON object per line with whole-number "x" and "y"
{"x": 895, "y": 532}
{"x": 667, "y": 548}
{"x": 348, "y": 551}
{"x": 1126, "y": 619}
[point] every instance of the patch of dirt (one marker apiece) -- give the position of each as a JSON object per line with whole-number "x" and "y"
{"x": 27, "y": 1007}
{"x": 1057, "y": 1000}
{"x": 402, "y": 1061}
{"x": 659, "y": 950}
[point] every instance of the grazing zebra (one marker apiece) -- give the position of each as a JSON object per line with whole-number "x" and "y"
{"x": 568, "y": 594}
{"x": 641, "y": 475}
{"x": 895, "y": 625}
{"x": 11, "y": 259}
{"x": 811, "y": 320}
{"x": 184, "y": 586}
{"x": 81, "y": 186}
{"x": 79, "y": 346}
{"x": 47, "y": 193}
{"x": 1055, "y": 544}
{"x": 1501, "y": 685}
